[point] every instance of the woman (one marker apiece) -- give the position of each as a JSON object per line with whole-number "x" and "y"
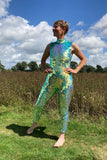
{"x": 59, "y": 77}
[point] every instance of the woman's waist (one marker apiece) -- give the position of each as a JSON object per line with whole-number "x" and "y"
{"x": 59, "y": 72}
{"x": 60, "y": 68}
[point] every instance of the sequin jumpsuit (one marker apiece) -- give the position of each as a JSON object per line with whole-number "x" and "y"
{"x": 58, "y": 80}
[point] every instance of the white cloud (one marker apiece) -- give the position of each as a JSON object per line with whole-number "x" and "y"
{"x": 75, "y": 58}
{"x": 101, "y": 26}
{"x": 37, "y": 39}
{"x": 20, "y": 41}
{"x": 80, "y": 23}
{"x": 95, "y": 51}
{"x": 4, "y": 4}
{"x": 13, "y": 29}
{"x": 20, "y": 38}
{"x": 94, "y": 59}
{"x": 98, "y": 59}
{"x": 15, "y": 56}
{"x": 77, "y": 35}
{"x": 91, "y": 42}
{"x": 36, "y": 57}
{"x": 88, "y": 41}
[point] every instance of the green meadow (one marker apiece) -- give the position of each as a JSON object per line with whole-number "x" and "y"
{"x": 86, "y": 135}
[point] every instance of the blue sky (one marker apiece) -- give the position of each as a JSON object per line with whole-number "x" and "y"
{"x": 35, "y": 11}
{"x": 26, "y": 28}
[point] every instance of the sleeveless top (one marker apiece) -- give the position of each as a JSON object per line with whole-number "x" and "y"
{"x": 60, "y": 55}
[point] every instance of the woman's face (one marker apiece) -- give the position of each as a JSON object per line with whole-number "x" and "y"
{"x": 58, "y": 31}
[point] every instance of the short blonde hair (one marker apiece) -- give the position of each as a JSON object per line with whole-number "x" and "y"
{"x": 62, "y": 24}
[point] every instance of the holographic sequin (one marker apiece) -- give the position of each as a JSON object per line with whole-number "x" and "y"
{"x": 58, "y": 80}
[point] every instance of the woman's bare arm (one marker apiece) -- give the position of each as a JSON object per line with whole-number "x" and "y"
{"x": 76, "y": 50}
{"x": 46, "y": 54}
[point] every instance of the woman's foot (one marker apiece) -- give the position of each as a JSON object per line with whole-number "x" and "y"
{"x": 31, "y": 129}
{"x": 60, "y": 141}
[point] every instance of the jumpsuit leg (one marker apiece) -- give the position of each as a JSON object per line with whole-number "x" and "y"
{"x": 64, "y": 93}
{"x": 46, "y": 93}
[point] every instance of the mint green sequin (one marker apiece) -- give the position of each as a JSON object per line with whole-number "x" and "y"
{"x": 58, "y": 80}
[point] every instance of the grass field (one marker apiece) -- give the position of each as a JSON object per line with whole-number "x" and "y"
{"x": 86, "y": 135}
{"x": 86, "y": 138}
{"x": 21, "y": 90}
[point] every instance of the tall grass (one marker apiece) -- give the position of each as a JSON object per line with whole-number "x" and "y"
{"x": 90, "y": 94}
{"x": 21, "y": 89}
{"x": 85, "y": 138}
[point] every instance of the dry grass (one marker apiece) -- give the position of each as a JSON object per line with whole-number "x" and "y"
{"x": 22, "y": 89}
{"x": 100, "y": 152}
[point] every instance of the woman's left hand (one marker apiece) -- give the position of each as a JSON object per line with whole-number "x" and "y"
{"x": 70, "y": 70}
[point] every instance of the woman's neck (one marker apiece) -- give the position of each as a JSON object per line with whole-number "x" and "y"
{"x": 61, "y": 37}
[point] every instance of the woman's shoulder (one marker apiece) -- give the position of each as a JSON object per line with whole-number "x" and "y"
{"x": 69, "y": 42}
{"x": 52, "y": 43}
{"x": 74, "y": 45}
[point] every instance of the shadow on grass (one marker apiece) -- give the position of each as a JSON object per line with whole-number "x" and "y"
{"x": 38, "y": 132}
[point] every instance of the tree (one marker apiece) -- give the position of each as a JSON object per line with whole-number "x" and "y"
{"x": 33, "y": 66}
{"x": 83, "y": 69}
{"x": 73, "y": 65}
{"x": 2, "y": 67}
{"x": 47, "y": 66}
{"x": 99, "y": 68}
{"x": 20, "y": 66}
{"x": 105, "y": 69}
{"x": 14, "y": 68}
{"x": 88, "y": 68}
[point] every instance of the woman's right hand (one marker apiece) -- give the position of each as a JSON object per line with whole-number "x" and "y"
{"x": 48, "y": 70}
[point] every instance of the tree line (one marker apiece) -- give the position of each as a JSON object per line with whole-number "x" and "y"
{"x": 33, "y": 66}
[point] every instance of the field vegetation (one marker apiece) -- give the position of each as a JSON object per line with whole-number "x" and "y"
{"x": 86, "y": 136}
{"x": 21, "y": 89}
